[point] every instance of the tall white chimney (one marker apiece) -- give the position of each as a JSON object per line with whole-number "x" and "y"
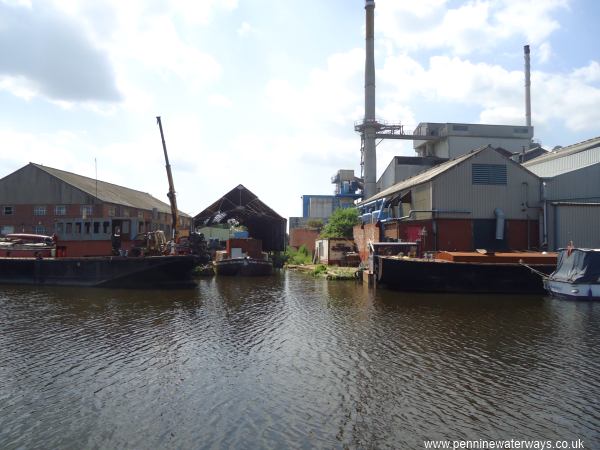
{"x": 527, "y": 86}
{"x": 370, "y": 123}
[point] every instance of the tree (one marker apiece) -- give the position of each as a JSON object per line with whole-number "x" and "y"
{"x": 341, "y": 223}
{"x": 315, "y": 223}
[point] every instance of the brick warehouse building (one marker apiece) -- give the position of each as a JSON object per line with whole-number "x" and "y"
{"x": 83, "y": 212}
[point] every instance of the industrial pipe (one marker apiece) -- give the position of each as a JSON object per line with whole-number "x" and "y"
{"x": 527, "y": 86}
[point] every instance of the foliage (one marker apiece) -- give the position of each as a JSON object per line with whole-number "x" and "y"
{"x": 321, "y": 268}
{"x": 298, "y": 257}
{"x": 315, "y": 223}
{"x": 341, "y": 223}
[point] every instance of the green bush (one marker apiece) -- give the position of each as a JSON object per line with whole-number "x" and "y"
{"x": 341, "y": 223}
{"x": 298, "y": 257}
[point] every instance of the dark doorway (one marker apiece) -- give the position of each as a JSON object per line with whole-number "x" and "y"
{"x": 484, "y": 235}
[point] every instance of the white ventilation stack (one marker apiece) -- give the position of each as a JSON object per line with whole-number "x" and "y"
{"x": 370, "y": 123}
{"x": 527, "y": 86}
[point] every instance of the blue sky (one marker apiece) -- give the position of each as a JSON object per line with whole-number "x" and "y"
{"x": 265, "y": 93}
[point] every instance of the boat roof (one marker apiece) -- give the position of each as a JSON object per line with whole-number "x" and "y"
{"x": 578, "y": 265}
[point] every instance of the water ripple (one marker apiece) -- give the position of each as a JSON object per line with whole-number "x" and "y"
{"x": 292, "y": 362}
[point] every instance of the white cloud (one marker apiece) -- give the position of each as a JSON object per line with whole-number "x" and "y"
{"x": 245, "y": 29}
{"x": 499, "y": 93}
{"x": 544, "y": 52}
{"x": 220, "y": 101}
{"x": 470, "y": 26}
{"x": 330, "y": 96}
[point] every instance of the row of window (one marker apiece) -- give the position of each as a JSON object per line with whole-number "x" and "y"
{"x": 61, "y": 210}
{"x": 104, "y": 227}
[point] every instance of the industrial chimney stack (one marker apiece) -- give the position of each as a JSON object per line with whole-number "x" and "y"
{"x": 527, "y": 86}
{"x": 370, "y": 123}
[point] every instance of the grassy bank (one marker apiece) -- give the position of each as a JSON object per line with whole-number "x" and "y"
{"x": 328, "y": 272}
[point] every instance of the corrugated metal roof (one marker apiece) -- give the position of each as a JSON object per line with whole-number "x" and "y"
{"x": 564, "y": 160}
{"x": 108, "y": 192}
{"x": 423, "y": 177}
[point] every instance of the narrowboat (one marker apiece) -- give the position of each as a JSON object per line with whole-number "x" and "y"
{"x": 577, "y": 275}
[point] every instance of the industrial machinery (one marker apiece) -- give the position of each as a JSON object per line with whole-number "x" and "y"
{"x": 171, "y": 193}
{"x": 152, "y": 243}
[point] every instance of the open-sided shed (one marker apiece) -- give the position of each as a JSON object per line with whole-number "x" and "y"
{"x": 242, "y": 205}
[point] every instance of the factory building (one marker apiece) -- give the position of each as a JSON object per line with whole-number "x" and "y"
{"x": 450, "y": 140}
{"x": 456, "y": 139}
{"x": 318, "y": 208}
{"x": 481, "y": 199}
{"x": 82, "y": 212}
{"x": 571, "y": 177}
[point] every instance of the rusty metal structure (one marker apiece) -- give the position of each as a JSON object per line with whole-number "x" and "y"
{"x": 171, "y": 193}
{"x": 247, "y": 209}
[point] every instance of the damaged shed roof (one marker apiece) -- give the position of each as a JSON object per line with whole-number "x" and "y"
{"x": 242, "y": 205}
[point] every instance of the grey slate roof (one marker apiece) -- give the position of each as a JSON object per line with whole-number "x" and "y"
{"x": 108, "y": 192}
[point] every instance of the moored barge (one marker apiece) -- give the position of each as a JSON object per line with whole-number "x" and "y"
{"x": 467, "y": 272}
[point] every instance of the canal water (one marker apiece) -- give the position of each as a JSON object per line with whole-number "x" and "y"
{"x": 291, "y": 361}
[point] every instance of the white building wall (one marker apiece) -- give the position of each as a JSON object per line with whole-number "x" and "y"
{"x": 577, "y": 223}
{"x": 459, "y": 145}
{"x": 575, "y": 186}
{"x": 321, "y": 207}
{"x": 421, "y": 200}
{"x": 518, "y": 199}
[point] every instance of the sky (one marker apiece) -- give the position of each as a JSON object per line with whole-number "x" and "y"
{"x": 265, "y": 93}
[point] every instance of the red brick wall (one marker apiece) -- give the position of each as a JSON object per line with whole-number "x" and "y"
{"x": 303, "y": 236}
{"x": 88, "y": 248}
{"x": 390, "y": 230}
{"x": 253, "y": 247}
{"x": 362, "y": 235}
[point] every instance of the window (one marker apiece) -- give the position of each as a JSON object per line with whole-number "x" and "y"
{"x": 77, "y": 227}
{"x": 7, "y": 229}
{"x": 460, "y": 127}
{"x": 8, "y": 210}
{"x": 489, "y": 174}
{"x": 60, "y": 210}
{"x": 59, "y": 227}
{"x": 112, "y": 211}
{"x": 86, "y": 211}
{"x": 141, "y": 227}
{"x": 39, "y": 229}
{"x": 39, "y": 210}
{"x": 87, "y": 227}
{"x": 69, "y": 228}
{"x": 140, "y": 215}
{"x": 125, "y": 227}
{"x": 521, "y": 130}
{"x": 125, "y": 212}
{"x": 105, "y": 226}
{"x": 96, "y": 227}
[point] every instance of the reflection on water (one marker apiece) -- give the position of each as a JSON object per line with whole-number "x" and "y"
{"x": 292, "y": 362}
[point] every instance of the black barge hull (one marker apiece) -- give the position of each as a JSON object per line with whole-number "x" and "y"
{"x": 460, "y": 277}
{"x": 243, "y": 267}
{"x": 118, "y": 272}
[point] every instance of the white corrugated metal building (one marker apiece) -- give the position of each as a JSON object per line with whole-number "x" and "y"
{"x": 571, "y": 177}
{"x": 459, "y": 204}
